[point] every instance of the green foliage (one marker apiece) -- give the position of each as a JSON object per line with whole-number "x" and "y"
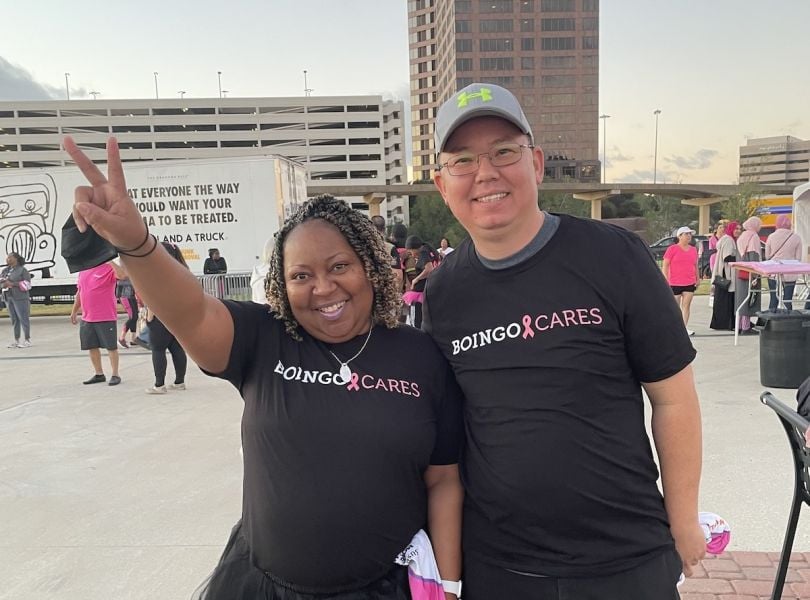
{"x": 557, "y": 202}
{"x": 431, "y": 220}
{"x": 663, "y": 214}
{"x": 743, "y": 204}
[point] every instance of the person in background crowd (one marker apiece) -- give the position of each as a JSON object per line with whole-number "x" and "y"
{"x": 723, "y": 307}
{"x": 259, "y": 274}
{"x": 553, "y": 324}
{"x": 161, "y": 339}
{"x": 714, "y": 238}
{"x": 95, "y": 299}
{"x": 783, "y": 244}
{"x": 749, "y": 249}
{"x": 214, "y": 264}
{"x": 399, "y": 234}
{"x": 444, "y": 248}
{"x": 15, "y": 283}
{"x": 390, "y": 248}
{"x": 424, "y": 259}
{"x": 125, "y": 292}
{"x": 680, "y": 269}
{"x": 348, "y": 454}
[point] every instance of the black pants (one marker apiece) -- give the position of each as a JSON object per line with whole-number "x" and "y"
{"x": 161, "y": 339}
{"x": 655, "y": 579}
{"x": 132, "y": 314}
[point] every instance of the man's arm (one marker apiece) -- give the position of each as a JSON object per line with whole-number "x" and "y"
{"x": 677, "y": 433}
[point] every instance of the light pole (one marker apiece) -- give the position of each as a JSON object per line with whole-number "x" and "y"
{"x": 182, "y": 93}
{"x": 307, "y": 89}
{"x": 219, "y": 81}
{"x": 604, "y": 146}
{"x": 155, "y": 73}
{"x": 656, "y": 112}
{"x": 67, "y": 85}
{"x": 94, "y": 94}
{"x": 224, "y": 93}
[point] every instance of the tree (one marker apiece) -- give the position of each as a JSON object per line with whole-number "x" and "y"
{"x": 743, "y": 204}
{"x": 431, "y": 220}
{"x": 563, "y": 203}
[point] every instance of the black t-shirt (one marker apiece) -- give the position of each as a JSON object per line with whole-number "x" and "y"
{"x": 558, "y": 469}
{"x": 424, "y": 258}
{"x": 213, "y": 266}
{"x": 333, "y": 483}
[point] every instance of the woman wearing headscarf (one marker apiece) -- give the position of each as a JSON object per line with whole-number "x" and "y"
{"x": 15, "y": 283}
{"x": 783, "y": 244}
{"x": 723, "y": 280}
{"x": 749, "y": 248}
{"x": 348, "y": 455}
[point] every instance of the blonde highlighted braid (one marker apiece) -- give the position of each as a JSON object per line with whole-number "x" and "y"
{"x": 364, "y": 239}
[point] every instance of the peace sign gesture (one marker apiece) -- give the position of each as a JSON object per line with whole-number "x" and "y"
{"x": 105, "y": 204}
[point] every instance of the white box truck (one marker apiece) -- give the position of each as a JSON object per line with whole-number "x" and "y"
{"x": 233, "y": 204}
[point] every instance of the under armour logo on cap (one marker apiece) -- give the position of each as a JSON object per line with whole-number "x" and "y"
{"x": 485, "y": 94}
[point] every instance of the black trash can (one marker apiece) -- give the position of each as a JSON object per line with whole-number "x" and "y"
{"x": 784, "y": 348}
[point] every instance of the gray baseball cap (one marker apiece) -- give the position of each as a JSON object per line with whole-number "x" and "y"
{"x": 478, "y": 100}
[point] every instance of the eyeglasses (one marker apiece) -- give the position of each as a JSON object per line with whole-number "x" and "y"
{"x": 501, "y": 155}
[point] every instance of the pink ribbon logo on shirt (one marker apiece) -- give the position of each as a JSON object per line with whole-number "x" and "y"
{"x": 527, "y": 327}
{"x": 353, "y": 385}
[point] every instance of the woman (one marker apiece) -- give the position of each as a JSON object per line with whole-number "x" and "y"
{"x": 16, "y": 284}
{"x": 214, "y": 264}
{"x": 445, "y": 248}
{"x": 749, "y": 249}
{"x": 347, "y": 451}
{"x": 723, "y": 280}
{"x": 680, "y": 268}
{"x": 422, "y": 259}
{"x": 161, "y": 339}
{"x": 125, "y": 293}
{"x": 783, "y": 244}
{"x": 714, "y": 238}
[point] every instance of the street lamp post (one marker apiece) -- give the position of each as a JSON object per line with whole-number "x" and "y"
{"x": 67, "y": 85}
{"x": 219, "y": 82}
{"x": 182, "y": 93}
{"x": 604, "y": 146}
{"x": 224, "y": 93}
{"x": 94, "y": 94}
{"x": 656, "y": 112}
{"x": 155, "y": 73}
{"x": 307, "y": 89}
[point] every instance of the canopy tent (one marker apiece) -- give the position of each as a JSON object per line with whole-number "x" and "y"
{"x": 801, "y": 216}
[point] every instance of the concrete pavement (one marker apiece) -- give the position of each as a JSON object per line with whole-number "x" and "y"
{"x": 106, "y": 492}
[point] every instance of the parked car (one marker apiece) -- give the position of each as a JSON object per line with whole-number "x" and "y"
{"x": 701, "y": 241}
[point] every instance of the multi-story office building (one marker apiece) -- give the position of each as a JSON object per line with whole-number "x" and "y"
{"x": 784, "y": 160}
{"x": 342, "y": 140}
{"x": 545, "y": 51}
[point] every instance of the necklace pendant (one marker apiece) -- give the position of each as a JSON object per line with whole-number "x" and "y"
{"x": 345, "y": 373}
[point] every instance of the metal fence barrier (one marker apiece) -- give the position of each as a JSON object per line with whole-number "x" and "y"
{"x": 227, "y": 286}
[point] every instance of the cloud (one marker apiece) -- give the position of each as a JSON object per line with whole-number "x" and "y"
{"x": 18, "y": 84}
{"x": 647, "y": 175}
{"x": 701, "y": 160}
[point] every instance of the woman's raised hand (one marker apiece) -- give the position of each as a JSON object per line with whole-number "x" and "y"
{"x": 105, "y": 204}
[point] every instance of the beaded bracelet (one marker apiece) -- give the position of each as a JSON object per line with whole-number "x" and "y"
{"x": 152, "y": 249}
{"x": 138, "y": 247}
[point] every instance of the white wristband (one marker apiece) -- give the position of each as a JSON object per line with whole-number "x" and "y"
{"x": 452, "y": 587}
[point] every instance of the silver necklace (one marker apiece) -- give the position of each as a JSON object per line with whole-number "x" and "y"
{"x": 345, "y": 372}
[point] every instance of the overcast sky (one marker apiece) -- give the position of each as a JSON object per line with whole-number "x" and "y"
{"x": 721, "y": 71}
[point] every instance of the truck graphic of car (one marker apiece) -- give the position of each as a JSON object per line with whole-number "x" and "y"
{"x": 27, "y": 213}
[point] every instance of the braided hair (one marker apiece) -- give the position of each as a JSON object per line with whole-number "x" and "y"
{"x": 366, "y": 242}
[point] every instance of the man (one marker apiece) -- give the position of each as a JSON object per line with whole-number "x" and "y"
{"x": 95, "y": 299}
{"x": 215, "y": 263}
{"x": 553, "y": 325}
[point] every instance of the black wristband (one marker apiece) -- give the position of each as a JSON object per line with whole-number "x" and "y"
{"x": 152, "y": 249}
{"x": 138, "y": 247}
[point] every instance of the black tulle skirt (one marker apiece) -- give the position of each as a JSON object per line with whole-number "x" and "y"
{"x": 237, "y": 578}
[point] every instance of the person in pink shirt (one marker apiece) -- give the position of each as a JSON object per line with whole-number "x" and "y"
{"x": 681, "y": 271}
{"x": 95, "y": 299}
